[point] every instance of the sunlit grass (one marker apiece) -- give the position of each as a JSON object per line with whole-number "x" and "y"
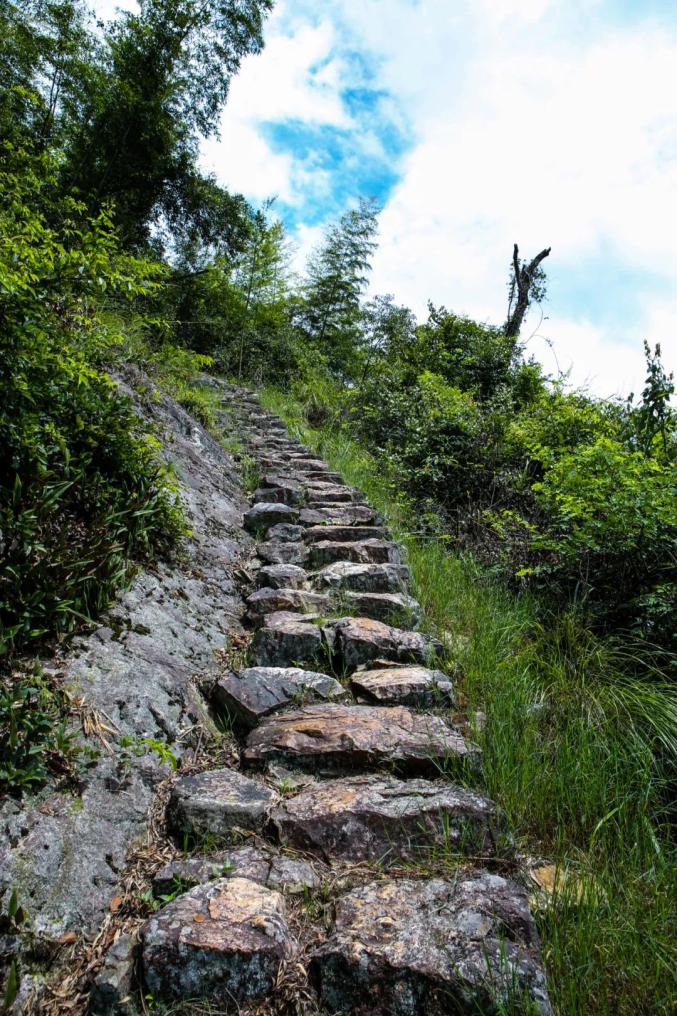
{"x": 578, "y": 751}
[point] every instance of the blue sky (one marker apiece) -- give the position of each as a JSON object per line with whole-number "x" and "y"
{"x": 477, "y": 124}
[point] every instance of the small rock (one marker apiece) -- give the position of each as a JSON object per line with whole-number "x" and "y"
{"x": 435, "y": 947}
{"x": 357, "y": 737}
{"x": 220, "y": 942}
{"x": 416, "y": 687}
{"x": 367, "y": 817}
{"x": 285, "y": 531}
{"x": 362, "y": 578}
{"x": 271, "y": 601}
{"x": 112, "y": 989}
{"x": 367, "y": 552}
{"x": 286, "y": 640}
{"x": 250, "y": 694}
{"x": 282, "y": 576}
{"x": 264, "y": 515}
{"x": 357, "y": 640}
{"x": 218, "y": 801}
{"x": 292, "y": 875}
{"x": 279, "y": 552}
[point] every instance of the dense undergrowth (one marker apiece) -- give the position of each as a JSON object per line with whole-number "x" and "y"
{"x": 578, "y": 749}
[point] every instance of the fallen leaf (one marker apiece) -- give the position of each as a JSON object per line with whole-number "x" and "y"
{"x": 199, "y": 918}
{"x": 115, "y": 904}
{"x": 545, "y": 877}
{"x": 68, "y": 938}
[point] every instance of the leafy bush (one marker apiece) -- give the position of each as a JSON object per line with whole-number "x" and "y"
{"x": 81, "y": 489}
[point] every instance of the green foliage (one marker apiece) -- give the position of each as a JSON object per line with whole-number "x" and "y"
{"x": 81, "y": 490}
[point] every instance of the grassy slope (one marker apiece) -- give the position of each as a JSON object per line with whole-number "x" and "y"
{"x": 570, "y": 753}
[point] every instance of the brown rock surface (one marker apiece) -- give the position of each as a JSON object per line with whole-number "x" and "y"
{"x": 250, "y": 694}
{"x": 344, "y": 515}
{"x": 220, "y": 942}
{"x": 417, "y": 687}
{"x": 357, "y": 640}
{"x": 365, "y": 552}
{"x": 437, "y": 947}
{"x": 366, "y": 817}
{"x": 345, "y": 737}
{"x": 269, "y": 601}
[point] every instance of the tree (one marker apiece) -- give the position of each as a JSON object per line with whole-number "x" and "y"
{"x": 527, "y": 284}
{"x": 338, "y": 273}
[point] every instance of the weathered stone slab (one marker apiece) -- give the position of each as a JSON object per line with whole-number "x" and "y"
{"x": 354, "y": 641}
{"x": 344, "y": 534}
{"x": 264, "y": 515}
{"x": 218, "y": 801}
{"x": 344, "y": 515}
{"x": 220, "y": 942}
{"x": 323, "y": 475}
{"x": 279, "y": 552}
{"x": 268, "y": 601}
{"x": 304, "y": 464}
{"x": 267, "y": 867}
{"x": 391, "y": 608}
{"x": 362, "y": 578}
{"x": 433, "y": 947}
{"x": 286, "y": 639}
{"x": 282, "y": 576}
{"x": 366, "y": 817}
{"x": 359, "y": 737}
{"x": 365, "y": 552}
{"x": 279, "y": 495}
{"x": 285, "y": 531}
{"x": 320, "y": 493}
{"x": 417, "y": 687}
{"x": 251, "y": 694}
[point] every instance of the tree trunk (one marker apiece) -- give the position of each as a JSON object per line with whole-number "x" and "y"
{"x": 523, "y": 278}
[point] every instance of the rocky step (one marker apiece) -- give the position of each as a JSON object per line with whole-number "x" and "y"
{"x": 282, "y": 576}
{"x": 341, "y": 737}
{"x": 327, "y": 493}
{"x": 380, "y": 817}
{"x": 344, "y": 534}
{"x": 354, "y": 641}
{"x": 390, "y": 608}
{"x": 222, "y": 942}
{"x": 287, "y": 639}
{"x": 282, "y": 493}
{"x": 249, "y": 695}
{"x": 362, "y": 578}
{"x": 343, "y": 515}
{"x": 218, "y": 803}
{"x": 416, "y": 687}
{"x": 269, "y": 867}
{"x": 468, "y": 945}
{"x": 363, "y": 552}
{"x": 285, "y": 532}
{"x": 266, "y": 514}
{"x": 271, "y": 600}
{"x": 282, "y": 552}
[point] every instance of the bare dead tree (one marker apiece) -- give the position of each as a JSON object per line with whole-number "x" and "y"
{"x": 527, "y": 283}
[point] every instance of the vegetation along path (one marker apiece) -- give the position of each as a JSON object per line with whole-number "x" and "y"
{"x": 361, "y": 873}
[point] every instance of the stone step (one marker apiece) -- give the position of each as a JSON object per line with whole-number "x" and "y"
{"x": 342, "y": 737}
{"x": 222, "y": 942}
{"x": 416, "y": 687}
{"x": 282, "y": 576}
{"x": 289, "y": 875}
{"x": 391, "y": 608}
{"x": 287, "y": 639}
{"x": 380, "y": 817}
{"x": 365, "y": 552}
{"x": 249, "y": 695}
{"x": 273, "y": 600}
{"x": 217, "y": 802}
{"x": 344, "y": 515}
{"x": 354, "y": 641}
{"x": 318, "y": 494}
{"x": 344, "y": 534}
{"x": 279, "y": 495}
{"x": 264, "y": 515}
{"x": 362, "y": 578}
{"x": 281, "y": 552}
{"x": 286, "y": 532}
{"x": 468, "y": 945}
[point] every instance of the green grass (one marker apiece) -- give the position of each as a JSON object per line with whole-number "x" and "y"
{"x": 578, "y": 751}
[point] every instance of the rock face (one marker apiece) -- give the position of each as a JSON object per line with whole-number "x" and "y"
{"x": 220, "y": 942}
{"x": 292, "y": 875}
{"x": 250, "y": 694}
{"x": 369, "y": 817}
{"x": 435, "y": 947}
{"x": 286, "y": 639}
{"x": 354, "y": 641}
{"x": 217, "y": 802}
{"x": 417, "y": 687}
{"x": 356, "y": 737}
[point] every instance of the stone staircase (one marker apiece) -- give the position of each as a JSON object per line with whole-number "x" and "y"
{"x": 340, "y": 869}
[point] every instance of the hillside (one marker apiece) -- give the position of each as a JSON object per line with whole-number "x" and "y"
{"x": 337, "y": 644}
